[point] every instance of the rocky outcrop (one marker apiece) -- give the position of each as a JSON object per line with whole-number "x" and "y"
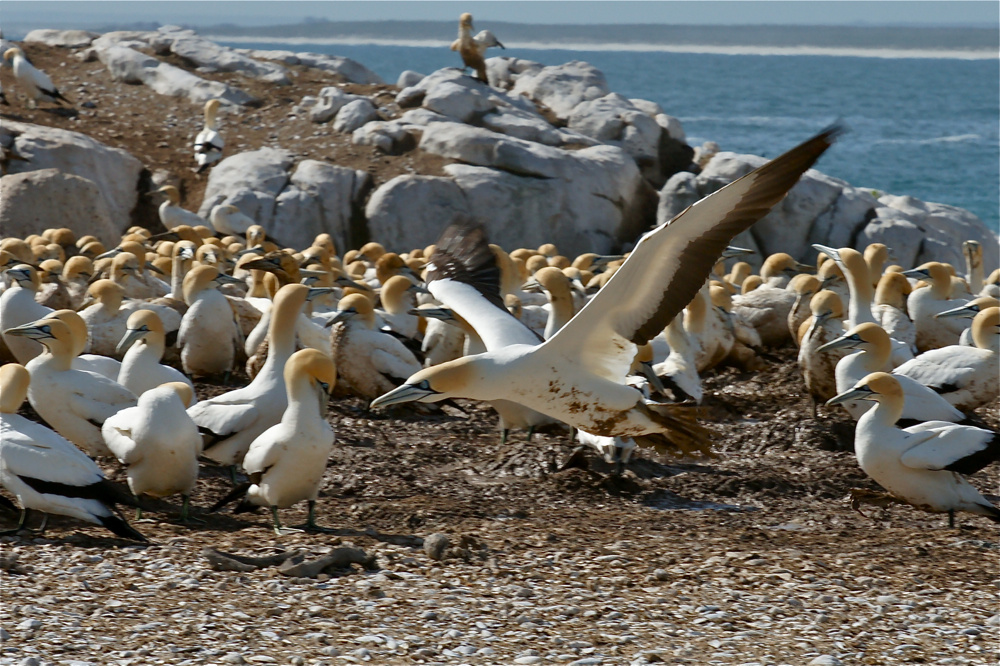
{"x": 561, "y": 88}
{"x": 213, "y": 57}
{"x": 354, "y": 114}
{"x": 411, "y": 211}
{"x": 37, "y": 200}
{"x": 331, "y": 100}
{"x": 826, "y": 210}
{"x": 114, "y": 172}
{"x": 130, "y": 66}
{"x": 72, "y": 39}
{"x": 294, "y": 205}
{"x": 350, "y": 71}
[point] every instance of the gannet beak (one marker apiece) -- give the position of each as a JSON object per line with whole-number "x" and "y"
{"x": 857, "y": 393}
{"x": 222, "y": 278}
{"x": 917, "y": 273}
{"x": 151, "y": 267}
{"x": 420, "y": 289}
{"x": 345, "y": 281}
{"x": 248, "y": 250}
{"x": 605, "y": 259}
{"x": 316, "y": 292}
{"x": 405, "y": 393}
{"x": 32, "y": 331}
{"x": 131, "y": 335}
{"x": 444, "y": 314}
{"x": 843, "y": 342}
{"x": 828, "y": 251}
{"x": 733, "y": 251}
{"x": 307, "y": 273}
{"x": 186, "y": 253}
{"x": 828, "y": 280}
{"x": 340, "y": 316}
{"x": 110, "y": 253}
{"x": 964, "y": 311}
{"x": 823, "y": 316}
{"x": 804, "y": 267}
{"x": 532, "y": 286}
{"x": 654, "y": 380}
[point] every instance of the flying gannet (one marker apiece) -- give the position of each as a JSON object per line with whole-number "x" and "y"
{"x": 923, "y": 464}
{"x": 579, "y": 375}
{"x": 47, "y": 473}
{"x": 35, "y": 82}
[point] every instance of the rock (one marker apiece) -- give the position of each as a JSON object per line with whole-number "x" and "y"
{"x": 562, "y": 87}
{"x": 131, "y": 66}
{"x": 435, "y": 545}
{"x": 293, "y": 206}
{"x": 503, "y": 71}
{"x": 672, "y": 125}
{"x": 320, "y": 198}
{"x": 408, "y": 78}
{"x": 354, "y": 114}
{"x": 72, "y": 39}
{"x": 233, "y": 658}
{"x": 412, "y": 211}
{"x": 520, "y": 124}
{"x": 614, "y": 120}
{"x": 331, "y": 100}
{"x": 29, "y": 661}
{"x": 204, "y": 53}
{"x": 114, "y": 171}
{"x": 29, "y": 625}
{"x": 457, "y": 101}
{"x": 392, "y": 137}
{"x": 410, "y": 96}
{"x": 349, "y": 70}
{"x": 651, "y": 109}
{"x": 661, "y": 574}
{"x": 278, "y": 55}
{"x": 825, "y": 660}
{"x": 37, "y": 200}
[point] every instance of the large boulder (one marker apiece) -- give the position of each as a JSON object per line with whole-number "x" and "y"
{"x": 561, "y": 88}
{"x": 37, "y": 200}
{"x": 130, "y": 66}
{"x": 412, "y": 211}
{"x": 292, "y": 205}
{"x": 829, "y": 211}
{"x": 615, "y": 120}
{"x": 113, "y": 171}
{"x": 349, "y": 70}
{"x": 207, "y": 54}
{"x": 71, "y": 39}
{"x": 331, "y": 100}
{"x": 354, "y": 114}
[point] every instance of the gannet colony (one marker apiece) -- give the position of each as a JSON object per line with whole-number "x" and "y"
{"x": 568, "y": 315}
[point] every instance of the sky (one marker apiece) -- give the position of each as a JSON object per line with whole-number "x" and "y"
{"x": 16, "y": 15}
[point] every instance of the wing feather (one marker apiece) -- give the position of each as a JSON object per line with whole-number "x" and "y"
{"x": 951, "y": 447}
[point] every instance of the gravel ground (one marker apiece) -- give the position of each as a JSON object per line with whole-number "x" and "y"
{"x": 753, "y": 557}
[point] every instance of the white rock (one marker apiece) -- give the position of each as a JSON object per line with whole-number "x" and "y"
{"x": 408, "y": 78}
{"x": 457, "y": 101}
{"x": 673, "y": 126}
{"x": 354, "y": 114}
{"x": 66, "y": 38}
{"x": 562, "y": 87}
{"x": 282, "y": 56}
{"x": 614, "y": 120}
{"x": 392, "y": 137}
{"x": 320, "y": 198}
{"x": 331, "y": 100}
{"x": 250, "y": 181}
{"x": 131, "y": 66}
{"x": 412, "y": 211}
{"x": 37, "y": 200}
{"x": 651, "y": 109}
{"x": 205, "y": 53}
{"x": 114, "y": 171}
{"x": 825, "y": 660}
{"x": 502, "y": 71}
{"x": 349, "y": 70}
{"x": 29, "y": 625}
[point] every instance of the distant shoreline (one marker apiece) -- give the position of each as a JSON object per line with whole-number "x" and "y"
{"x": 803, "y": 50}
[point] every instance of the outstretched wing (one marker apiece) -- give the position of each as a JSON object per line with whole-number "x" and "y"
{"x": 669, "y": 264}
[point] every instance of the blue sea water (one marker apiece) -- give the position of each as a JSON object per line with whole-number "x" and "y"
{"x": 924, "y": 127}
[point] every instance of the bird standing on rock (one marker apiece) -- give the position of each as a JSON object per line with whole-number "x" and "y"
{"x": 472, "y": 49}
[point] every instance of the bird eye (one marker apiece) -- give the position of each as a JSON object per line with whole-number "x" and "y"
{"x": 856, "y": 337}
{"x": 425, "y": 385}
{"x": 46, "y": 329}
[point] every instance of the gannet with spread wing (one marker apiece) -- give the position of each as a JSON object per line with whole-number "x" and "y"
{"x": 578, "y": 376}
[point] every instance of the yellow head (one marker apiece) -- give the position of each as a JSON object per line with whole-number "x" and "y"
{"x": 14, "y": 381}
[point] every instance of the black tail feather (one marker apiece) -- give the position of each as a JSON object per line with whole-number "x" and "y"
{"x": 102, "y": 491}
{"x": 239, "y": 492}
{"x": 121, "y": 528}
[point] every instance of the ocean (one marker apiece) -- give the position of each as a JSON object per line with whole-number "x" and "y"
{"x": 925, "y": 127}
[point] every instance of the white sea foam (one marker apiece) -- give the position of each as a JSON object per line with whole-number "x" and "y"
{"x": 804, "y": 50}
{"x": 954, "y": 138}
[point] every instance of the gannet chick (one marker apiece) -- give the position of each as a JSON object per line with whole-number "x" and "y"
{"x": 369, "y": 362}
{"x": 171, "y": 213}
{"x": 967, "y": 312}
{"x": 209, "y": 334}
{"x": 141, "y": 370}
{"x": 287, "y": 461}
{"x": 35, "y": 82}
{"x": 231, "y": 421}
{"x": 921, "y": 465}
{"x": 924, "y": 303}
{"x": 922, "y": 404}
{"x": 890, "y": 309}
{"x": 967, "y": 377}
{"x": 75, "y": 403}
{"x": 579, "y": 375}
{"x": 158, "y": 443}
{"x": 18, "y": 306}
{"x": 819, "y": 367}
{"x": 209, "y": 143}
{"x": 472, "y": 48}
{"x": 46, "y": 472}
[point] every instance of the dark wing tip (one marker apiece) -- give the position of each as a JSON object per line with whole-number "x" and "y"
{"x": 121, "y": 528}
{"x": 463, "y": 254}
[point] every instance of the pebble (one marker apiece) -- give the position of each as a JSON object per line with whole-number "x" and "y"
{"x": 233, "y": 658}
{"x": 30, "y": 625}
{"x": 530, "y": 659}
{"x": 435, "y": 545}
{"x": 29, "y": 661}
{"x": 3, "y": 634}
{"x": 825, "y": 660}
{"x": 661, "y": 574}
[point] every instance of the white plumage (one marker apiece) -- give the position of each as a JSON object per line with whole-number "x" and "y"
{"x": 209, "y": 143}
{"x": 35, "y": 82}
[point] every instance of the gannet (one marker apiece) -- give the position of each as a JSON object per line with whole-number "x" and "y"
{"x": 992, "y": 286}
{"x": 102, "y": 365}
{"x": 678, "y": 370}
{"x": 209, "y": 334}
{"x": 35, "y": 82}
{"x": 804, "y": 286}
{"x": 209, "y": 143}
{"x": 47, "y": 473}
{"x": 746, "y": 343}
{"x": 819, "y": 367}
{"x": 75, "y": 403}
{"x": 708, "y": 329}
{"x": 442, "y": 340}
{"x": 76, "y": 275}
{"x": 105, "y": 318}
{"x": 578, "y": 376}
{"x": 921, "y": 465}
{"x": 889, "y": 309}
{"x": 398, "y": 295}
{"x": 859, "y": 304}
{"x": 287, "y": 461}
{"x": 924, "y": 303}
{"x": 369, "y": 362}
{"x": 974, "y": 273}
{"x": 472, "y": 49}
{"x": 171, "y": 213}
{"x": 231, "y": 421}
{"x": 766, "y": 308}
{"x": 967, "y": 377}
{"x": 967, "y": 313}
{"x": 876, "y": 255}
{"x": 52, "y": 292}
{"x": 922, "y": 404}
{"x": 158, "y": 444}
{"x": 18, "y": 306}
{"x": 556, "y": 288}
{"x": 141, "y": 370}
{"x": 228, "y": 219}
